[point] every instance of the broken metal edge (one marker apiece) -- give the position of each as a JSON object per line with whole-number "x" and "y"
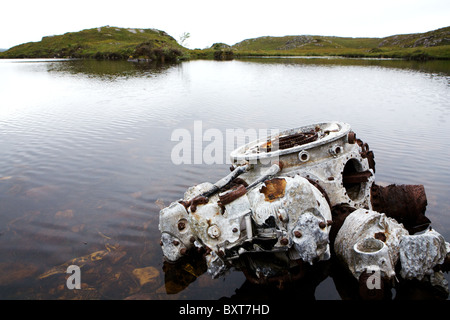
{"x": 240, "y": 154}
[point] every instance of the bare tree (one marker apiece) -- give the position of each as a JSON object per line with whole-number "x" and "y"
{"x": 183, "y": 38}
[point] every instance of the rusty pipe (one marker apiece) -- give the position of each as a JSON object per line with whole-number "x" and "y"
{"x": 226, "y": 180}
{"x": 273, "y": 170}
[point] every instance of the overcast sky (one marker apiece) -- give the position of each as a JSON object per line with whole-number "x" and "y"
{"x": 229, "y": 21}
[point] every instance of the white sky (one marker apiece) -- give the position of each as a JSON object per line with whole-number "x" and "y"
{"x": 228, "y": 21}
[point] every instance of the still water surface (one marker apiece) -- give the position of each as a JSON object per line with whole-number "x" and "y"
{"x": 85, "y": 158}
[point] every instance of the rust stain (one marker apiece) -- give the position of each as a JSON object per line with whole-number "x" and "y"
{"x": 404, "y": 203}
{"x": 290, "y": 141}
{"x": 197, "y": 201}
{"x": 356, "y": 177}
{"x": 232, "y": 194}
{"x": 380, "y": 236}
{"x": 274, "y": 189}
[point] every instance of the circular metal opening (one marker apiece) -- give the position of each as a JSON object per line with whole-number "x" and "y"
{"x": 352, "y": 185}
{"x": 183, "y": 225}
{"x": 369, "y": 245}
{"x": 303, "y": 156}
{"x": 335, "y": 150}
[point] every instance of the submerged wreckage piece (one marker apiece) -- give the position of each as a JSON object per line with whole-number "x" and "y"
{"x": 297, "y": 198}
{"x": 369, "y": 239}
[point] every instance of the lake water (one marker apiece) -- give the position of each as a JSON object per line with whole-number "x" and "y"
{"x": 85, "y": 159}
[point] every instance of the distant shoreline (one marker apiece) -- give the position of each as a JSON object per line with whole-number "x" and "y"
{"x": 113, "y": 43}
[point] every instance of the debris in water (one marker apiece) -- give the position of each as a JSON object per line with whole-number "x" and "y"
{"x": 302, "y": 197}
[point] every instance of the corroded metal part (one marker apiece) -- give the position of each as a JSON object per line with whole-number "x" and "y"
{"x": 421, "y": 253}
{"x": 369, "y": 238}
{"x": 404, "y": 203}
{"x": 300, "y": 210}
{"x": 295, "y": 199}
{"x": 330, "y": 161}
{"x": 175, "y": 231}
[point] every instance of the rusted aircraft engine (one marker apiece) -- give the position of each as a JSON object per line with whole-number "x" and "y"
{"x": 297, "y": 198}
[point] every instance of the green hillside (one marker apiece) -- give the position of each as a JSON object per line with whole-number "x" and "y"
{"x": 101, "y": 43}
{"x": 430, "y": 45}
{"x": 122, "y": 43}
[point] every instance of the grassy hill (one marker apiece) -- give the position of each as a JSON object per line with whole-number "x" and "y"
{"x": 121, "y": 43}
{"x": 430, "y": 45}
{"x": 101, "y": 43}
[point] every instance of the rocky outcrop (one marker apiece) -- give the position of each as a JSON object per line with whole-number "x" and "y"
{"x": 434, "y": 38}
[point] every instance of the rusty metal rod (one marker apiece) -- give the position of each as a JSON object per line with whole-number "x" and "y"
{"x": 226, "y": 180}
{"x": 273, "y": 170}
{"x": 357, "y": 177}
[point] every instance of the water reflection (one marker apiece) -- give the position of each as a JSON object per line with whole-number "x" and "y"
{"x": 178, "y": 276}
{"x": 107, "y": 70}
{"x": 441, "y": 67}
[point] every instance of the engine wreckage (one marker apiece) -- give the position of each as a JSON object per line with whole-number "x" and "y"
{"x": 298, "y": 198}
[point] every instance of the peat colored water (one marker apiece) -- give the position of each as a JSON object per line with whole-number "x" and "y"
{"x": 86, "y": 146}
